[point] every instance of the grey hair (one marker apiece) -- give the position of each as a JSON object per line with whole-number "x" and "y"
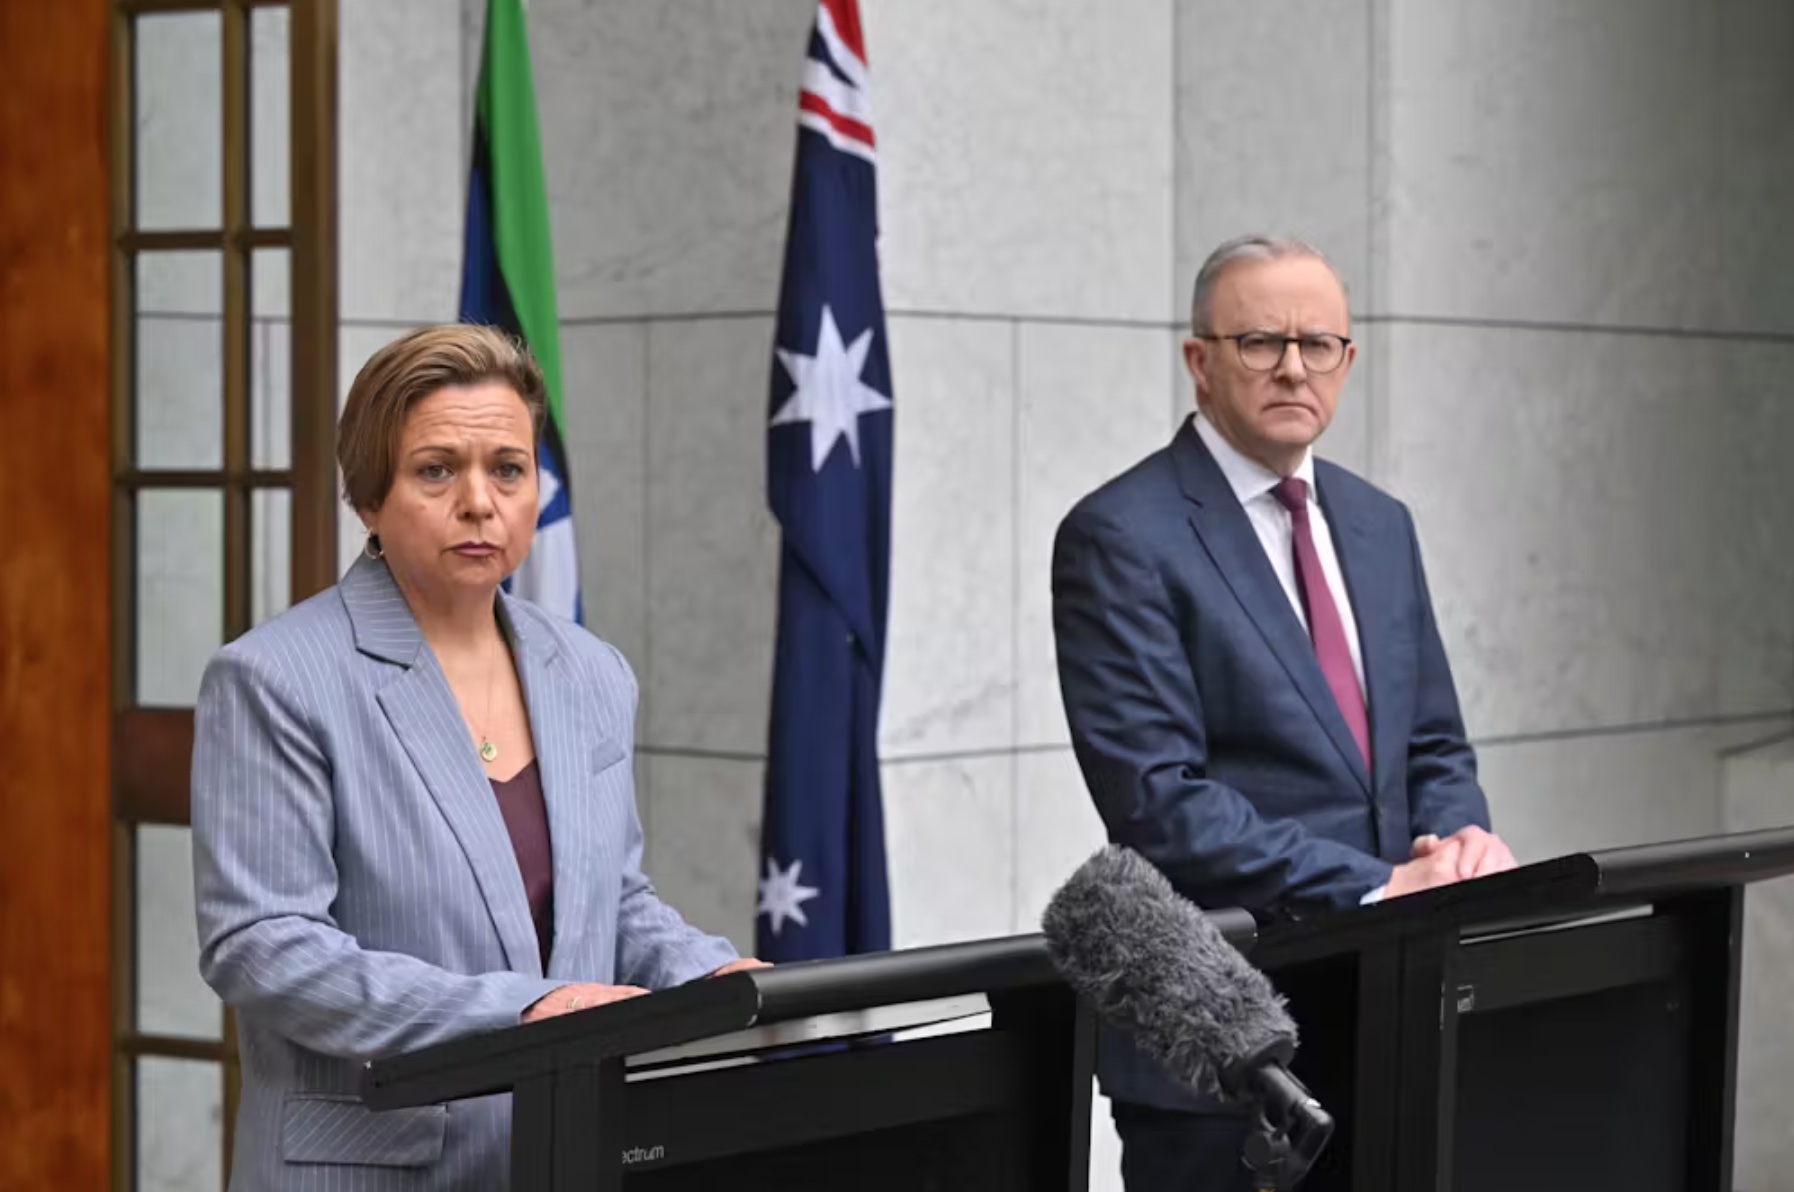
{"x": 1245, "y": 248}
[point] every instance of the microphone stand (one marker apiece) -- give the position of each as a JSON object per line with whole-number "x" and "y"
{"x": 1289, "y": 1129}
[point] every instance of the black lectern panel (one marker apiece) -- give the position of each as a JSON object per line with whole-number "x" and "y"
{"x": 951, "y": 1156}
{"x": 1577, "y": 1093}
{"x": 841, "y": 1091}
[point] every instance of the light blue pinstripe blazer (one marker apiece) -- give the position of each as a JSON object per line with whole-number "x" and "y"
{"x": 357, "y": 892}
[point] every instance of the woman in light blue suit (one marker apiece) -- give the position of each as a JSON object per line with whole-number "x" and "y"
{"x": 413, "y": 807}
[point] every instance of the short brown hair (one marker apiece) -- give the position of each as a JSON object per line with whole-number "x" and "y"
{"x": 406, "y": 371}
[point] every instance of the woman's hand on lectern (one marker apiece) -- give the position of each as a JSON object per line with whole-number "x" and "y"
{"x": 569, "y": 998}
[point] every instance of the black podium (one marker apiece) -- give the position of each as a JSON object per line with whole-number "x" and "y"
{"x": 1571, "y": 1026}
{"x": 966, "y": 1066}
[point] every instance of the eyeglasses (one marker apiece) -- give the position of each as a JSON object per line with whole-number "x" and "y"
{"x": 1261, "y": 351}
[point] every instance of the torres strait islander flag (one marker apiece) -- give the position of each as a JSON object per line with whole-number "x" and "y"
{"x": 507, "y": 281}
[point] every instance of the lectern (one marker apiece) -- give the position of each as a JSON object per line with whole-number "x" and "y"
{"x": 965, "y": 1066}
{"x": 1570, "y": 1026}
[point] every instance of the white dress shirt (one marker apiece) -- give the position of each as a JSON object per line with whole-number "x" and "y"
{"x": 1252, "y": 483}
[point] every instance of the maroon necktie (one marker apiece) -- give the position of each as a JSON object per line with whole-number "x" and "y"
{"x": 1324, "y": 625}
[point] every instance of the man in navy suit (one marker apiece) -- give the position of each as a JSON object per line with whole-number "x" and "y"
{"x": 1257, "y": 692}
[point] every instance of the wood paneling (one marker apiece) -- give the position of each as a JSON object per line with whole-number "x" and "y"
{"x": 313, "y": 105}
{"x": 154, "y": 747}
{"x": 55, "y": 473}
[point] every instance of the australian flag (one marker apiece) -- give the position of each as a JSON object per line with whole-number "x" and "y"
{"x": 823, "y": 888}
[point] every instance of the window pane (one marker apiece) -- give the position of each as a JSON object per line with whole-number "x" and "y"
{"x": 271, "y": 283}
{"x": 180, "y": 592}
{"x": 178, "y": 398}
{"x": 271, "y": 363}
{"x": 271, "y": 513}
{"x": 171, "y": 998}
{"x": 179, "y": 148}
{"x": 180, "y": 283}
{"x": 179, "y": 395}
{"x": 268, "y": 103}
{"x": 180, "y": 1125}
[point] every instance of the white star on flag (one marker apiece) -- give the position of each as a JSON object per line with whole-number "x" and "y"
{"x": 830, "y": 395}
{"x": 782, "y": 896}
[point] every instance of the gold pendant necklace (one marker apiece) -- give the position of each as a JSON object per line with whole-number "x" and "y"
{"x": 489, "y": 751}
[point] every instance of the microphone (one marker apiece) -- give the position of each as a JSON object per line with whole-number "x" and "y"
{"x": 1153, "y": 966}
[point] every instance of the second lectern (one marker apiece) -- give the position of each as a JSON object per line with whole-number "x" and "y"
{"x": 1570, "y": 1026}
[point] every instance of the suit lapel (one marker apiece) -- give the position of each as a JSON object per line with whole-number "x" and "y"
{"x": 1226, "y": 533}
{"x": 421, "y": 708}
{"x": 559, "y": 722}
{"x": 1367, "y": 586}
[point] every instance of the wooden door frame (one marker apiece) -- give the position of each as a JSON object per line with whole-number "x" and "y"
{"x": 152, "y": 746}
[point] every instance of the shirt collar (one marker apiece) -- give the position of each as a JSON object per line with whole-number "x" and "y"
{"x": 1248, "y": 478}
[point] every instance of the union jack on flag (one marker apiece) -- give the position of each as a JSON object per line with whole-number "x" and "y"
{"x": 834, "y": 98}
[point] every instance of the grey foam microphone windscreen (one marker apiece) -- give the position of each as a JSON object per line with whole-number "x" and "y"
{"x": 1152, "y": 965}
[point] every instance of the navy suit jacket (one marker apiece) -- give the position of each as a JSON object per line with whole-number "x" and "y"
{"x": 1204, "y": 727}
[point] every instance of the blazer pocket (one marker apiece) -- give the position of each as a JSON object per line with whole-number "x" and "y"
{"x": 606, "y": 754}
{"x": 338, "y": 1128}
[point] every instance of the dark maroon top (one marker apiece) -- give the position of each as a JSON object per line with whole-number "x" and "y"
{"x": 526, "y": 819}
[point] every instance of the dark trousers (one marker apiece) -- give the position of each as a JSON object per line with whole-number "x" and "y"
{"x": 1166, "y": 1151}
